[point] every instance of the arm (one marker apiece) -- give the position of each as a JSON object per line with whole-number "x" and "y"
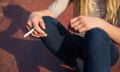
{"x": 36, "y": 22}
{"x": 85, "y": 23}
{"x": 113, "y": 31}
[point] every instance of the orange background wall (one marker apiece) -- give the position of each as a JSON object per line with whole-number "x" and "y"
{"x": 18, "y": 54}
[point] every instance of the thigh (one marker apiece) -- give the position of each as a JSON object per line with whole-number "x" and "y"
{"x": 100, "y": 47}
{"x": 113, "y": 53}
{"x": 60, "y": 41}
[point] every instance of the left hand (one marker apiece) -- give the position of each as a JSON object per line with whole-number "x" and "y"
{"x": 85, "y": 23}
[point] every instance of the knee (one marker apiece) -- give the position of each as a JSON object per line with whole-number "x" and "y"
{"x": 49, "y": 20}
{"x": 51, "y": 24}
{"x": 97, "y": 37}
{"x": 96, "y": 33}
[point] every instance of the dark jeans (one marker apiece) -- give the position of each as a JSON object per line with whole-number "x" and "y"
{"x": 96, "y": 48}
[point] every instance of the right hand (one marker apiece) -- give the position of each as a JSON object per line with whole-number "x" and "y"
{"x": 35, "y": 21}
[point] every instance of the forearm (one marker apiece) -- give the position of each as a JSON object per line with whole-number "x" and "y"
{"x": 35, "y": 20}
{"x": 113, "y": 32}
{"x": 45, "y": 12}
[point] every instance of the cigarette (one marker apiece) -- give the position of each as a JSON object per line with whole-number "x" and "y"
{"x": 28, "y": 33}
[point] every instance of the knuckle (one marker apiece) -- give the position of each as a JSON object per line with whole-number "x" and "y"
{"x": 35, "y": 19}
{"x": 37, "y": 29}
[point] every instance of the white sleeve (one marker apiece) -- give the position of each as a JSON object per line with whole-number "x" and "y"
{"x": 58, "y": 6}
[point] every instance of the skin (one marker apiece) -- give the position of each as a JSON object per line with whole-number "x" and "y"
{"x": 85, "y": 23}
{"x": 35, "y": 21}
{"x": 78, "y": 24}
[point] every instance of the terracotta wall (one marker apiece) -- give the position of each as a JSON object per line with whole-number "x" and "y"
{"x": 18, "y": 54}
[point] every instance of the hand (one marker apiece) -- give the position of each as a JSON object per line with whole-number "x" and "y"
{"x": 35, "y": 21}
{"x": 85, "y": 23}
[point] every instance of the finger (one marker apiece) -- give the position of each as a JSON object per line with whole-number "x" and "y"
{"x": 28, "y": 27}
{"x": 83, "y": 29}
{"x": 42, "y": 24}
{"x": 74, "y": 19}
{"x": 29, "y": 24}
{"x": 35, "y": 34}
{"x": 75, "y": 24}
{"x": 78, "y": 27}
{"x": 40, "y": 34}
{"x": 37, "y": 27}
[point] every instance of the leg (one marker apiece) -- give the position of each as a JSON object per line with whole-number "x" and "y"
{"x": 99, "y": 51}
{"x": 60, "y": 42}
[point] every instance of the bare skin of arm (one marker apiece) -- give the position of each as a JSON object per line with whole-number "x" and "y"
{"x": 35, "y": 20}
{"x": 85, "y": 23}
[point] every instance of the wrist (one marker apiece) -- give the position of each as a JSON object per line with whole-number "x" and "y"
{"x": 46, "y": 12}
{"x": 105, "y": 26}
{"x": 41, "y": 13}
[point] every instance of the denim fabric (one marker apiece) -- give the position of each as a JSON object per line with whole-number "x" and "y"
{"x": 96, "y": 49}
